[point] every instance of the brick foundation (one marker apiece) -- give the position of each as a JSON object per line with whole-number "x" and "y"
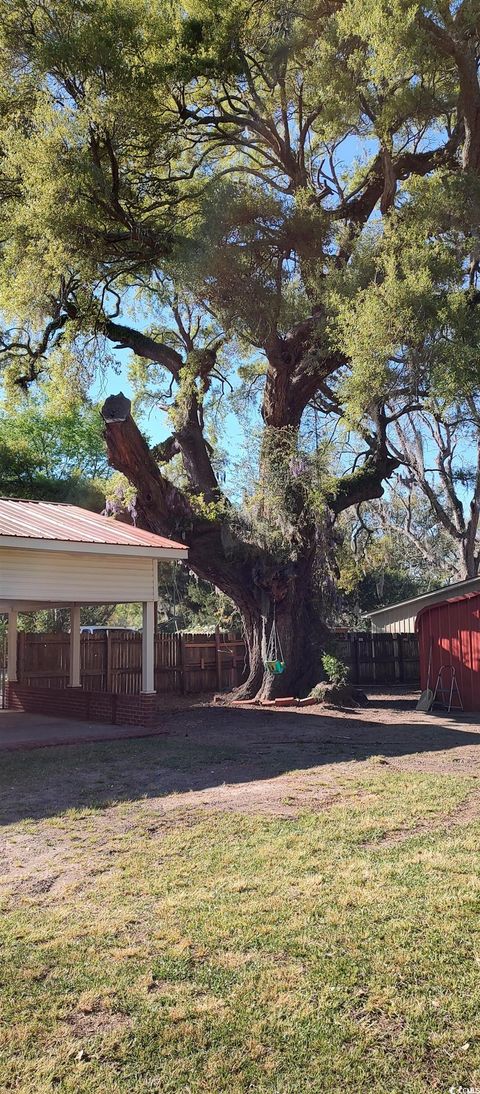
{"x": 87, "y": 706}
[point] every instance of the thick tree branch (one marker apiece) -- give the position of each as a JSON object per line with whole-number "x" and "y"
{"x": 165, "y": 450}
{"x": 144, "y": 346}
{"x": 166, "y": 510}
{"x": 358, "y": 209}
{"x": 189, "y": 434}
{"x": 460, "y": 42}
{"x": 364, "y": 484}
{"x": 162, "y": 506}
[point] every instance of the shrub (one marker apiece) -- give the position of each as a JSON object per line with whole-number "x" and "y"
{"x": 335, "y": 669}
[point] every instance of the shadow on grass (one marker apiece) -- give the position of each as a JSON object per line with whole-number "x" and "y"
{"x": 203, "y": 749}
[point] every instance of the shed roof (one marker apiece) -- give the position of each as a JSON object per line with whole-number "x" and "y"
{"x": 53, "y": 524}
{"x": 447, "y": 601}
{"x": 415, "y": 604}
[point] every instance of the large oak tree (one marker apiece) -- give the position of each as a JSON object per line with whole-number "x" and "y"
{"x": 281, "y": 197}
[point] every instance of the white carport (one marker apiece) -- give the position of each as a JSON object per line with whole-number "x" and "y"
{"x": 54, "y": 555}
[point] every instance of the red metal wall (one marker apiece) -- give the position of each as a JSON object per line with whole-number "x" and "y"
{"x": 453, "y": 630}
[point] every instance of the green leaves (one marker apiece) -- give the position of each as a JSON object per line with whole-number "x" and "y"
{"x": 402, "y": 312}
{"x": 48, "y": 451}
{"x": 273, "y": 185}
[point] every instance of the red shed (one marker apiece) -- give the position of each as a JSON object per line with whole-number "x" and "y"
{"x": 449, "y": 634}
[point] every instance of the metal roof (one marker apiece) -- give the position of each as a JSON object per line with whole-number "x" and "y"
{"x": 458, "y": 589}
{"x": 439, "y": 605}
{"x": 53, "y": 521}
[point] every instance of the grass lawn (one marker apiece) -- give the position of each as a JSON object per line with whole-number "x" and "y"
{"x": 334, "y": 951}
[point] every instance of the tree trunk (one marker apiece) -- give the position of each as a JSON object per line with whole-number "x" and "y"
{"x": 290, "y": 603}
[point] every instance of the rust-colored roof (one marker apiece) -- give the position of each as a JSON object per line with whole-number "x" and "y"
{"x": 42, "y": 520}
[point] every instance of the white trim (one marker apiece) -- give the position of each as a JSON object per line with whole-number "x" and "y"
{"x": 148, "y": 648}
{"x": 28, "y": 605}
{"x": 12, "y": 647}
{"x": 80, "y": 548}
{"x": 74, "y": 678}
{"x": 41, "y": 605}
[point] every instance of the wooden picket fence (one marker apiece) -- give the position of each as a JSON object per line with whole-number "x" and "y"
{"x": 189, "y": 663}
{"x": 113, "y": 661}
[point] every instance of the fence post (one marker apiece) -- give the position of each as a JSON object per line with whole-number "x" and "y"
{"x": 108, "y": 662}
{"x": 218, "y": 659}
{"x": 183, "y": 677}
{"x": 20, "y": 639}
{"x": 401, "y": 670}
{"x": 373, "y": 651}
{"x": 356, "y": 653}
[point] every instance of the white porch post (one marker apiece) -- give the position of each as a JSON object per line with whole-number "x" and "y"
{"x": 148, "y": 647}
{"x": 12, "y": 646}
{"x": 74, "y": 681}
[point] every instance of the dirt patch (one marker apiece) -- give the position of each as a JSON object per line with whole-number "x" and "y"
{"x": 213, "y": 759}
{"x": 36, "y": 887}
{"x": 465, "y": 813}
{"x": 91, "y": 1025}
{"x": 284, "y": 796}
{"x": 41, "y": 890}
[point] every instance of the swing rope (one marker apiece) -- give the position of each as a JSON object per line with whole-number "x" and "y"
{"x": 274, "y": 661}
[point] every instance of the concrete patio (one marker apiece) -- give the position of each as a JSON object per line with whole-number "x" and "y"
{"x": 19, "y": 729}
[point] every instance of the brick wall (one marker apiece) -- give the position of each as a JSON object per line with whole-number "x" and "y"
{"x": 88, "y": 706}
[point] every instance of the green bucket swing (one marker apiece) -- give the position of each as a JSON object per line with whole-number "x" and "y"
{"x": 274, "y": 662}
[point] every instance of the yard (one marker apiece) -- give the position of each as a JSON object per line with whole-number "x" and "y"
{"x": 265, "y": 901}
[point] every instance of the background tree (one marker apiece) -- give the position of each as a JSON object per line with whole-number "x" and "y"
{"x": 187, "y": 603}
{"x": 431, "y": 508}
{"x": 281, "y": 198}
{"x": 380, "y": 561}
{"x": 439, "y": 448}
{"x": 53, "y": 453}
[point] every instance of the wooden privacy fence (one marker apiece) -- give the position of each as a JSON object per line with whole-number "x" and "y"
{"x": 187, "y": 663}
{"x": 113, "y": 661}
{"x": 380, "y": 658}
